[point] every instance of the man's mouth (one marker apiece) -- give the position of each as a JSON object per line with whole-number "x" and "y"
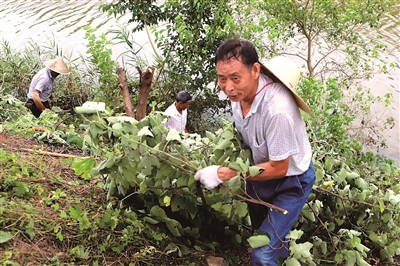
{"x": 233, "y": 96}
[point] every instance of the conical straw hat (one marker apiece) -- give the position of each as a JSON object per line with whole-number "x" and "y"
{"x": 287, "y": 72}
{"x": 57, "y": 65}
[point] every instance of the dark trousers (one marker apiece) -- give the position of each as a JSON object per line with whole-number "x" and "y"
{"x": 30, "y": 104}
{"x": 289, "y": 193}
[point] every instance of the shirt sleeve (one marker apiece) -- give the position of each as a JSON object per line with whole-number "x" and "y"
{"x": 41, "y": 84}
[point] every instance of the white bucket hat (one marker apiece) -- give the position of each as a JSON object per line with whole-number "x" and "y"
{"x": 57, "y": 65}
{"x": 287, "y": 72}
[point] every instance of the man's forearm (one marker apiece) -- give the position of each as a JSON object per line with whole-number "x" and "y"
{"x": 37, "y": 101}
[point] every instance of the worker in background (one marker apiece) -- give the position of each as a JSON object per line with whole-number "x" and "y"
{"x": 42, "y": 86}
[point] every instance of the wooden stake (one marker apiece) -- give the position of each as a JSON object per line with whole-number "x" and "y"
{"x": 50, "y": 153}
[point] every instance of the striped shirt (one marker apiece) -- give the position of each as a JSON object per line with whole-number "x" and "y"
{"x": 274, "y": 128}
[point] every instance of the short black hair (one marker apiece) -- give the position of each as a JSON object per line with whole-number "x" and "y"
{"x": 239, "y": 49}
{"x": 183, "y": 97}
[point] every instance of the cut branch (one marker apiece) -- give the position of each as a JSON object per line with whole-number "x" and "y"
{"x": 269, "y": 205}
{"x": 146, "y": 77}
{"x": 49, "y": 153}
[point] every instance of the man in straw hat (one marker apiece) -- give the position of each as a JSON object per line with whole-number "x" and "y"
{"x": 42, "y": 86}
{"x": 266, "y": 113}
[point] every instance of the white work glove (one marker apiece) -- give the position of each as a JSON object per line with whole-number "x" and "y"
{"x": 208, "y": 176}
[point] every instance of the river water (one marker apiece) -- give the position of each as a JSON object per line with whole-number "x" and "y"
{"x": 42, "y": 21}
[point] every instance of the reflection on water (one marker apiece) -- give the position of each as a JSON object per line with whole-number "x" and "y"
{"x": 40, "y": 20}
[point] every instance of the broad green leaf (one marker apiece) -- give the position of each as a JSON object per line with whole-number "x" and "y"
{"x": 217, "y": 206}
{"x": 295, "y": 234}
{"x": 255, "y": 170}
{"x": 173, "y": 134}
{"x": 239, "y": 208}
{"x": 301, "y": 250}
{"x": 127, "y": 119}
{"x": 339, "y": 258}
{"x": 159, "y": 213}
{"x": 84, "y": 166}
{"x": 210, "y": 135}
{"x": 342, "y": 176}
{"x": 171, "y": 248}
{"x": 150, "y": 220}
{"x": 84, "y": 222}
{"x": 174, "y": 227}
{"x": 74, "y": 213}
{"x": 292, "y": 262}
{"x": 258, "y": 241}
{"x": 177, "y": 204}
{"x": 361, "y": 184}
{"x": 5, "y": 236}
{"x": 319, "y": 175}
{"x": 227, "y": 210}
{"x": 223, "y": 144}
{"x": 350, "y": 257}
{"x": 145, "y": 131}
{"x": 324, "y": 248}
{"x": 308, "y": 213}
{"x": 355, "y": 241}
{"x": 30, "y": 229}
{"x": 381, "y": 204}
{"x": 235, "y": 182}
{"x": 330, "y": 163}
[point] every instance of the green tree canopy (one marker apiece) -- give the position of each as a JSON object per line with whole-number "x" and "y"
{"x": 187, "y": 33}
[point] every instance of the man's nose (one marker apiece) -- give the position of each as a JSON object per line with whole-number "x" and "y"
{"x": 229, "y": 86}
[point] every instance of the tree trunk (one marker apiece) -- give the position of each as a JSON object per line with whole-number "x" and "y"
{"x": 144, "y": 91}
{"x": 125, "y": 92}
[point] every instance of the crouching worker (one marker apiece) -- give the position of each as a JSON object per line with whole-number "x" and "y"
{"x": 42, "y": 86}
{"x": 266, "y": 113}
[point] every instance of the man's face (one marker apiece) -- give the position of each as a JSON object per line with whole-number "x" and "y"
{"x": 184, "y": 106}
{"x": 236, "y": 80}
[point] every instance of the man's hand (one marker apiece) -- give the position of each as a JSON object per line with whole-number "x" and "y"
{"x": 208, "y": 176}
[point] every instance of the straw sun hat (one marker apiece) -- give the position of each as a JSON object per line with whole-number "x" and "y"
{"x": 288, "y": 73}
{"x": 57, "y": 65}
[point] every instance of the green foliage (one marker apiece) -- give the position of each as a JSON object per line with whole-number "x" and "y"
{"x": 352, "y": 211}
{"x": 18, "y": 67}
{"x": 328, "y": 26}
{"x": 155, "y": 166}
{"x": 11, "y": 108}
{"x": 329, "y": 39}
{"x": 102, "y": 66}
{"x": 92, "y": 230}
{"x": 187, "y": 34}
{"x": 348, "y": 208}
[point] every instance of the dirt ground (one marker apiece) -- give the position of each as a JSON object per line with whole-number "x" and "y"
{"x": 16, "y": 143}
